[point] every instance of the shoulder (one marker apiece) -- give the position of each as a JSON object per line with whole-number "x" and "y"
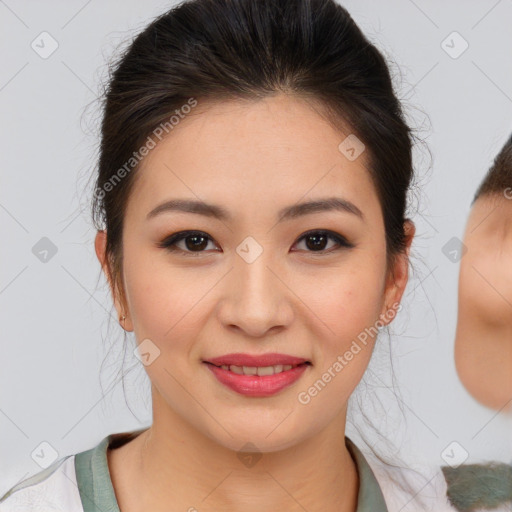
{"x": 53, "y": 489}
{"x": 71, "y": 484}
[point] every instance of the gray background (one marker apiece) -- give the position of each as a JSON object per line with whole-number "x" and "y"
{"x": 54, "y": 315}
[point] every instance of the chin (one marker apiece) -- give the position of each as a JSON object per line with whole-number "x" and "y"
{"x": 265, "y": 439}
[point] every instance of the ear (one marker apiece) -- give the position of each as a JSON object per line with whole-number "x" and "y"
{"x": 100, "y": 245}
{"x": 397, "y": 277}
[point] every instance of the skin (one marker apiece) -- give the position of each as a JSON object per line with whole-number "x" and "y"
{"x": 483, "y": 342}
{"x": 252, "y": 158}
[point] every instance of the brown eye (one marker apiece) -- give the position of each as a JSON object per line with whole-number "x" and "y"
{"x": 195, "y": 242}
{"x": 316, "y": 241}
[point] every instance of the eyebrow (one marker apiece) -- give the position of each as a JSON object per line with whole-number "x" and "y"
{"x": 288, "y": 213}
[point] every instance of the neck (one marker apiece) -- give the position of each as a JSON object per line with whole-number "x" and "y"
{"x": 173, "y": 463}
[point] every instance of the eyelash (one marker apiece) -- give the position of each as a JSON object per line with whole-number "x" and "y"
{"x": 170, "y": 242}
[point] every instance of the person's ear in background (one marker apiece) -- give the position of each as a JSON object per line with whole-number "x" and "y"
{"x": 483, "y": 342}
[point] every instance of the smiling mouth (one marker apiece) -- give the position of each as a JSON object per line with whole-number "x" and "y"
{"x": 260, "y": 371}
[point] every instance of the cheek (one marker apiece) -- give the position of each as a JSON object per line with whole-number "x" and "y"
{"x": 350, "y": 306}
{"x": 348, "y": 298}
{"x": 342, "y": 307}
{"x": 162, "y": 299}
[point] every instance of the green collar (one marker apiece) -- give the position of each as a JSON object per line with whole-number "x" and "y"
{"x": 97, "y": 493}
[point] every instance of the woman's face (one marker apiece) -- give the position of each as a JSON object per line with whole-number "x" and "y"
{"x": 251, "y": 283}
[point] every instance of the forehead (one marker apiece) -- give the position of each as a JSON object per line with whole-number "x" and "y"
{"x": 255, "y": 155}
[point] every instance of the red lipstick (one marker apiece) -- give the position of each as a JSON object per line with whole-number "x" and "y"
{"x": 288, "y": 370}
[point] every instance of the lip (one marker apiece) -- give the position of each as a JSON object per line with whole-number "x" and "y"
{"x": 255, "y": 385}
{"x": 270, "y": 359}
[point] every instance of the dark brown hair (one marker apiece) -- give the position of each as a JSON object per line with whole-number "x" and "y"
{"x": 211, "y": 50}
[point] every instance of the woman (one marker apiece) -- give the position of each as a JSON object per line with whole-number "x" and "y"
{"x": 250, "y": 205}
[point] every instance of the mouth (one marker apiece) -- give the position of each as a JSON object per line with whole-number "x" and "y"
{"x": 258, "y": 381}
{"x": 260, "y": 371}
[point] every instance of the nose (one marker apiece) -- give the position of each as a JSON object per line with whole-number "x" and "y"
{"x": 256, "y": 298}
